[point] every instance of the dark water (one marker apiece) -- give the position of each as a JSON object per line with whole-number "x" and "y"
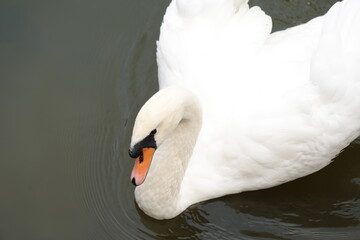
{"x": 73, "y": 75}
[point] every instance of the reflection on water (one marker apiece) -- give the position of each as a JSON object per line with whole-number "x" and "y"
{"x": 73, "y": 76}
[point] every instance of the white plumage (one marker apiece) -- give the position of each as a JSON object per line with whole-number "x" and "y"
{"x": 275, "y": 107}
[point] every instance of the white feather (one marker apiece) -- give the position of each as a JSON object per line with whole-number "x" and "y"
{"x": 276, "y": 107}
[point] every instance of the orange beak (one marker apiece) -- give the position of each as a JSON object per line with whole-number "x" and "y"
{"x": 142, "y": 165}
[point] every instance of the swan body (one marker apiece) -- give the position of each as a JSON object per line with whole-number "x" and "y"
{"x": 241, "y": 109}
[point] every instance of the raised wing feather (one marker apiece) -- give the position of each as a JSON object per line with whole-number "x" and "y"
{"x": 197, "y": 35}
{"x": 336, "y": 62}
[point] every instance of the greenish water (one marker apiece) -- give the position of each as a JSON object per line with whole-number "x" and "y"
{"x": 73, "y": 75}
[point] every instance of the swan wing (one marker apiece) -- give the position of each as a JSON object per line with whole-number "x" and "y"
{"x": 336, "y": 62}
{"x": 204, "y": 43}
{"x": 297, "y": 106}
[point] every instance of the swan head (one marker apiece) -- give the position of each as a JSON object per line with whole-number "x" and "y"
{"x": 156, "y": 120}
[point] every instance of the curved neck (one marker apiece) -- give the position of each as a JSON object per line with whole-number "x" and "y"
{"x": 158, "y": 196}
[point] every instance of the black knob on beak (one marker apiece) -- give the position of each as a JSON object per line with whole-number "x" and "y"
{"x": 132, "y": 153}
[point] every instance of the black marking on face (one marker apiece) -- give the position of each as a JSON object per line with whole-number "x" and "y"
{"x": 148, "y": 142}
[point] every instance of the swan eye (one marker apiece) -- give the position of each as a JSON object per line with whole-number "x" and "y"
{"x": 148, "y": 142}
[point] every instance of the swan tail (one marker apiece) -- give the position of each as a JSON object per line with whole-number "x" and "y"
{"x": 335, "y": 68}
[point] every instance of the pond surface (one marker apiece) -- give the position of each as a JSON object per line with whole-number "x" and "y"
{"x": 73, "y": 75}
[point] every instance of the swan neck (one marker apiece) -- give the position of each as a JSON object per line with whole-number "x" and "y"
{"x": 159, "y": 195}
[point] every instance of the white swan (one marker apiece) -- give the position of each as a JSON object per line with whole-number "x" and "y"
{"x": 242, "y": 109}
